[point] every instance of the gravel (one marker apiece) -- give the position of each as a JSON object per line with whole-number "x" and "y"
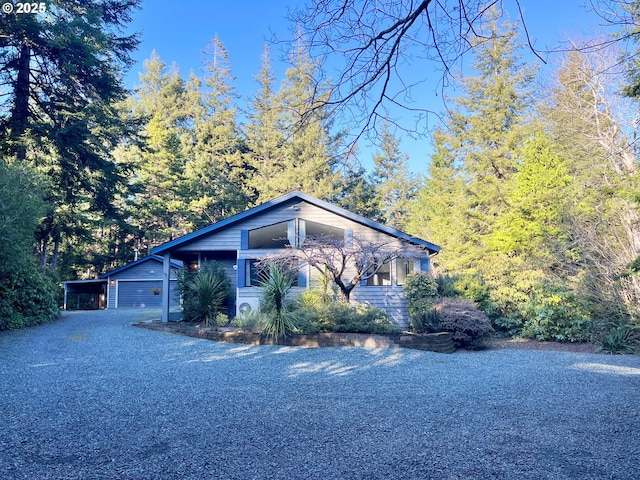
{"x": 91, "y": 397}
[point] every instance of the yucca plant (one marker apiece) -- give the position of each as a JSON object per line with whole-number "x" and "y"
{"x": 204, "y": 292}
{"x": 280, "y": 318}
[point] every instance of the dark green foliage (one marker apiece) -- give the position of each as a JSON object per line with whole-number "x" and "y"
{"x": 467, "y": 323}
{"x": 425, "y": 320}
{"x": 554, "y": 313}
{"x": 344, "y": 317}
{"x": 280, "y": 317}
{"x": 619, "y": 337}
{"x": 27, "y": 296}
{"x": 204, "y": 292}
{"x": 421, "y": 292}
{"x": 60, "y": 79}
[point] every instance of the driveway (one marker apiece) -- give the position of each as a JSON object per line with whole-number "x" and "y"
{"x": 91, "y": 397}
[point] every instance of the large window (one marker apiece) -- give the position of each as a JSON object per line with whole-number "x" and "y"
{"x": 314, "y": 229}
{"x": 283, "y": 234}
{"x": 271, "y": 237}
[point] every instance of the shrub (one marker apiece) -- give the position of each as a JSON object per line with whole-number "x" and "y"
{"x": 425, "y": 321}
{"x": 222, "y": 319}
{"x": 421, "y": 292}
{"x": 204, "y": 292}
{"x": 248, "y": 321}
{"x": 27, "y": 297}
{"x": 619, "y": 338}
{"x": 463, "y": 318}
{"x": 345, "y": 317}
{"x": 553, "y": 313}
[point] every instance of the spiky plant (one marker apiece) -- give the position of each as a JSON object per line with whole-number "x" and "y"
{"x": 280, "y": 318}
{"x": 209, "y": 291}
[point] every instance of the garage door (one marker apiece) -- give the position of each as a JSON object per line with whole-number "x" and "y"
{"x": 140, "y": 293}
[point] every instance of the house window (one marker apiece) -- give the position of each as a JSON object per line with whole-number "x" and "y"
{"x": 314, "y": 229}
{"x": 403, "y": 268}
{"x": 381, "y": 277}
{"x": 255, "y": 273}
{"x": 270, "y": 237}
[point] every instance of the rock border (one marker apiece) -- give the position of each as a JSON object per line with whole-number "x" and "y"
{"x": 434, "y": 342}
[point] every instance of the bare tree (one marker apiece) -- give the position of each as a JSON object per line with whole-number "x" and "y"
{"x": 345, "y": 262}
{"x": 375, "y": 44}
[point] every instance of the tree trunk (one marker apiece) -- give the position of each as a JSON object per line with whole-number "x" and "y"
{"x": 20, "y": 113}
{"x": 54, "y": 255}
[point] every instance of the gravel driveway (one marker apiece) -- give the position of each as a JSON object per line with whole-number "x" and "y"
{"x": 90, "y": 397}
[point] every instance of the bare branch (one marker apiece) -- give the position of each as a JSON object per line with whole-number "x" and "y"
{"x": 345, "y": 262}
{"x": 376, "y": 45}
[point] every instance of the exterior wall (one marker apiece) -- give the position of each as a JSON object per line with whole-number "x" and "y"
{"x": 229, "y": 238}
{"x": 142, "y": 273}
{"x": 389, "y": 298}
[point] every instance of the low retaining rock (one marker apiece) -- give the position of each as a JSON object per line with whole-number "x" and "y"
{"x": 434, "y": 342}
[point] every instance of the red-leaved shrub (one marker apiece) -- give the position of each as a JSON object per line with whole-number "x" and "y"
{"x": 467, "y": 323}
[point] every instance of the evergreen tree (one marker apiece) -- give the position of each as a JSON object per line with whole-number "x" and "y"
{"x": 61, "y": 74}
{"x": 356, "y": 191}
{"x": 265, "y": 132}
{"x": 441, "y": 206}
{"x": 474, "y": 163}
{"x": 216, "y": 173}
{"x": 158, "y": 204}
{"x": 303, "y": 156}
{"x": 395, "y": 187}
{"x": 535, "y": 223}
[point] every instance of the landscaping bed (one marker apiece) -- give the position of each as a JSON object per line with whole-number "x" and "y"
{"x": 435, "y": 342}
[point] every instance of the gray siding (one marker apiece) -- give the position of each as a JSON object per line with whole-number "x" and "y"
{"x": 137, "y": 286}
{"x": 229, "y": 238}
{"x": 388, "y": 298}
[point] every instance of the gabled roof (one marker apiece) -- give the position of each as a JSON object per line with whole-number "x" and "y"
{"x": 174, "y": 264}
{"x": 293, "y": 197}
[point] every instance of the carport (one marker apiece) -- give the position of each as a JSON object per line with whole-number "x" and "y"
{"x": 85, "y": 294}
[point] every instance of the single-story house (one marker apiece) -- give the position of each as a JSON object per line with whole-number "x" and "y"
{"x": 136, "y": 284}
{"x": 237, "y": 242}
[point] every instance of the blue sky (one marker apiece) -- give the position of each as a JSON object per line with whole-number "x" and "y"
{"x": 179, "y": 31}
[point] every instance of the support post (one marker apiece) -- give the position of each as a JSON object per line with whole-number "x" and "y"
{"x": 166, "y": 286}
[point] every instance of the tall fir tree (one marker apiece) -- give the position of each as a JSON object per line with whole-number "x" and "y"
{"x": 158, "y": 202}
{"x": 395, "y": 187}
{"x": 61, "y": 75}
{"x": 304, "y": 154}
{"x": 474, "y": 163}
{"x": 265, "y": 132}
{"x": 216, "y": 173}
